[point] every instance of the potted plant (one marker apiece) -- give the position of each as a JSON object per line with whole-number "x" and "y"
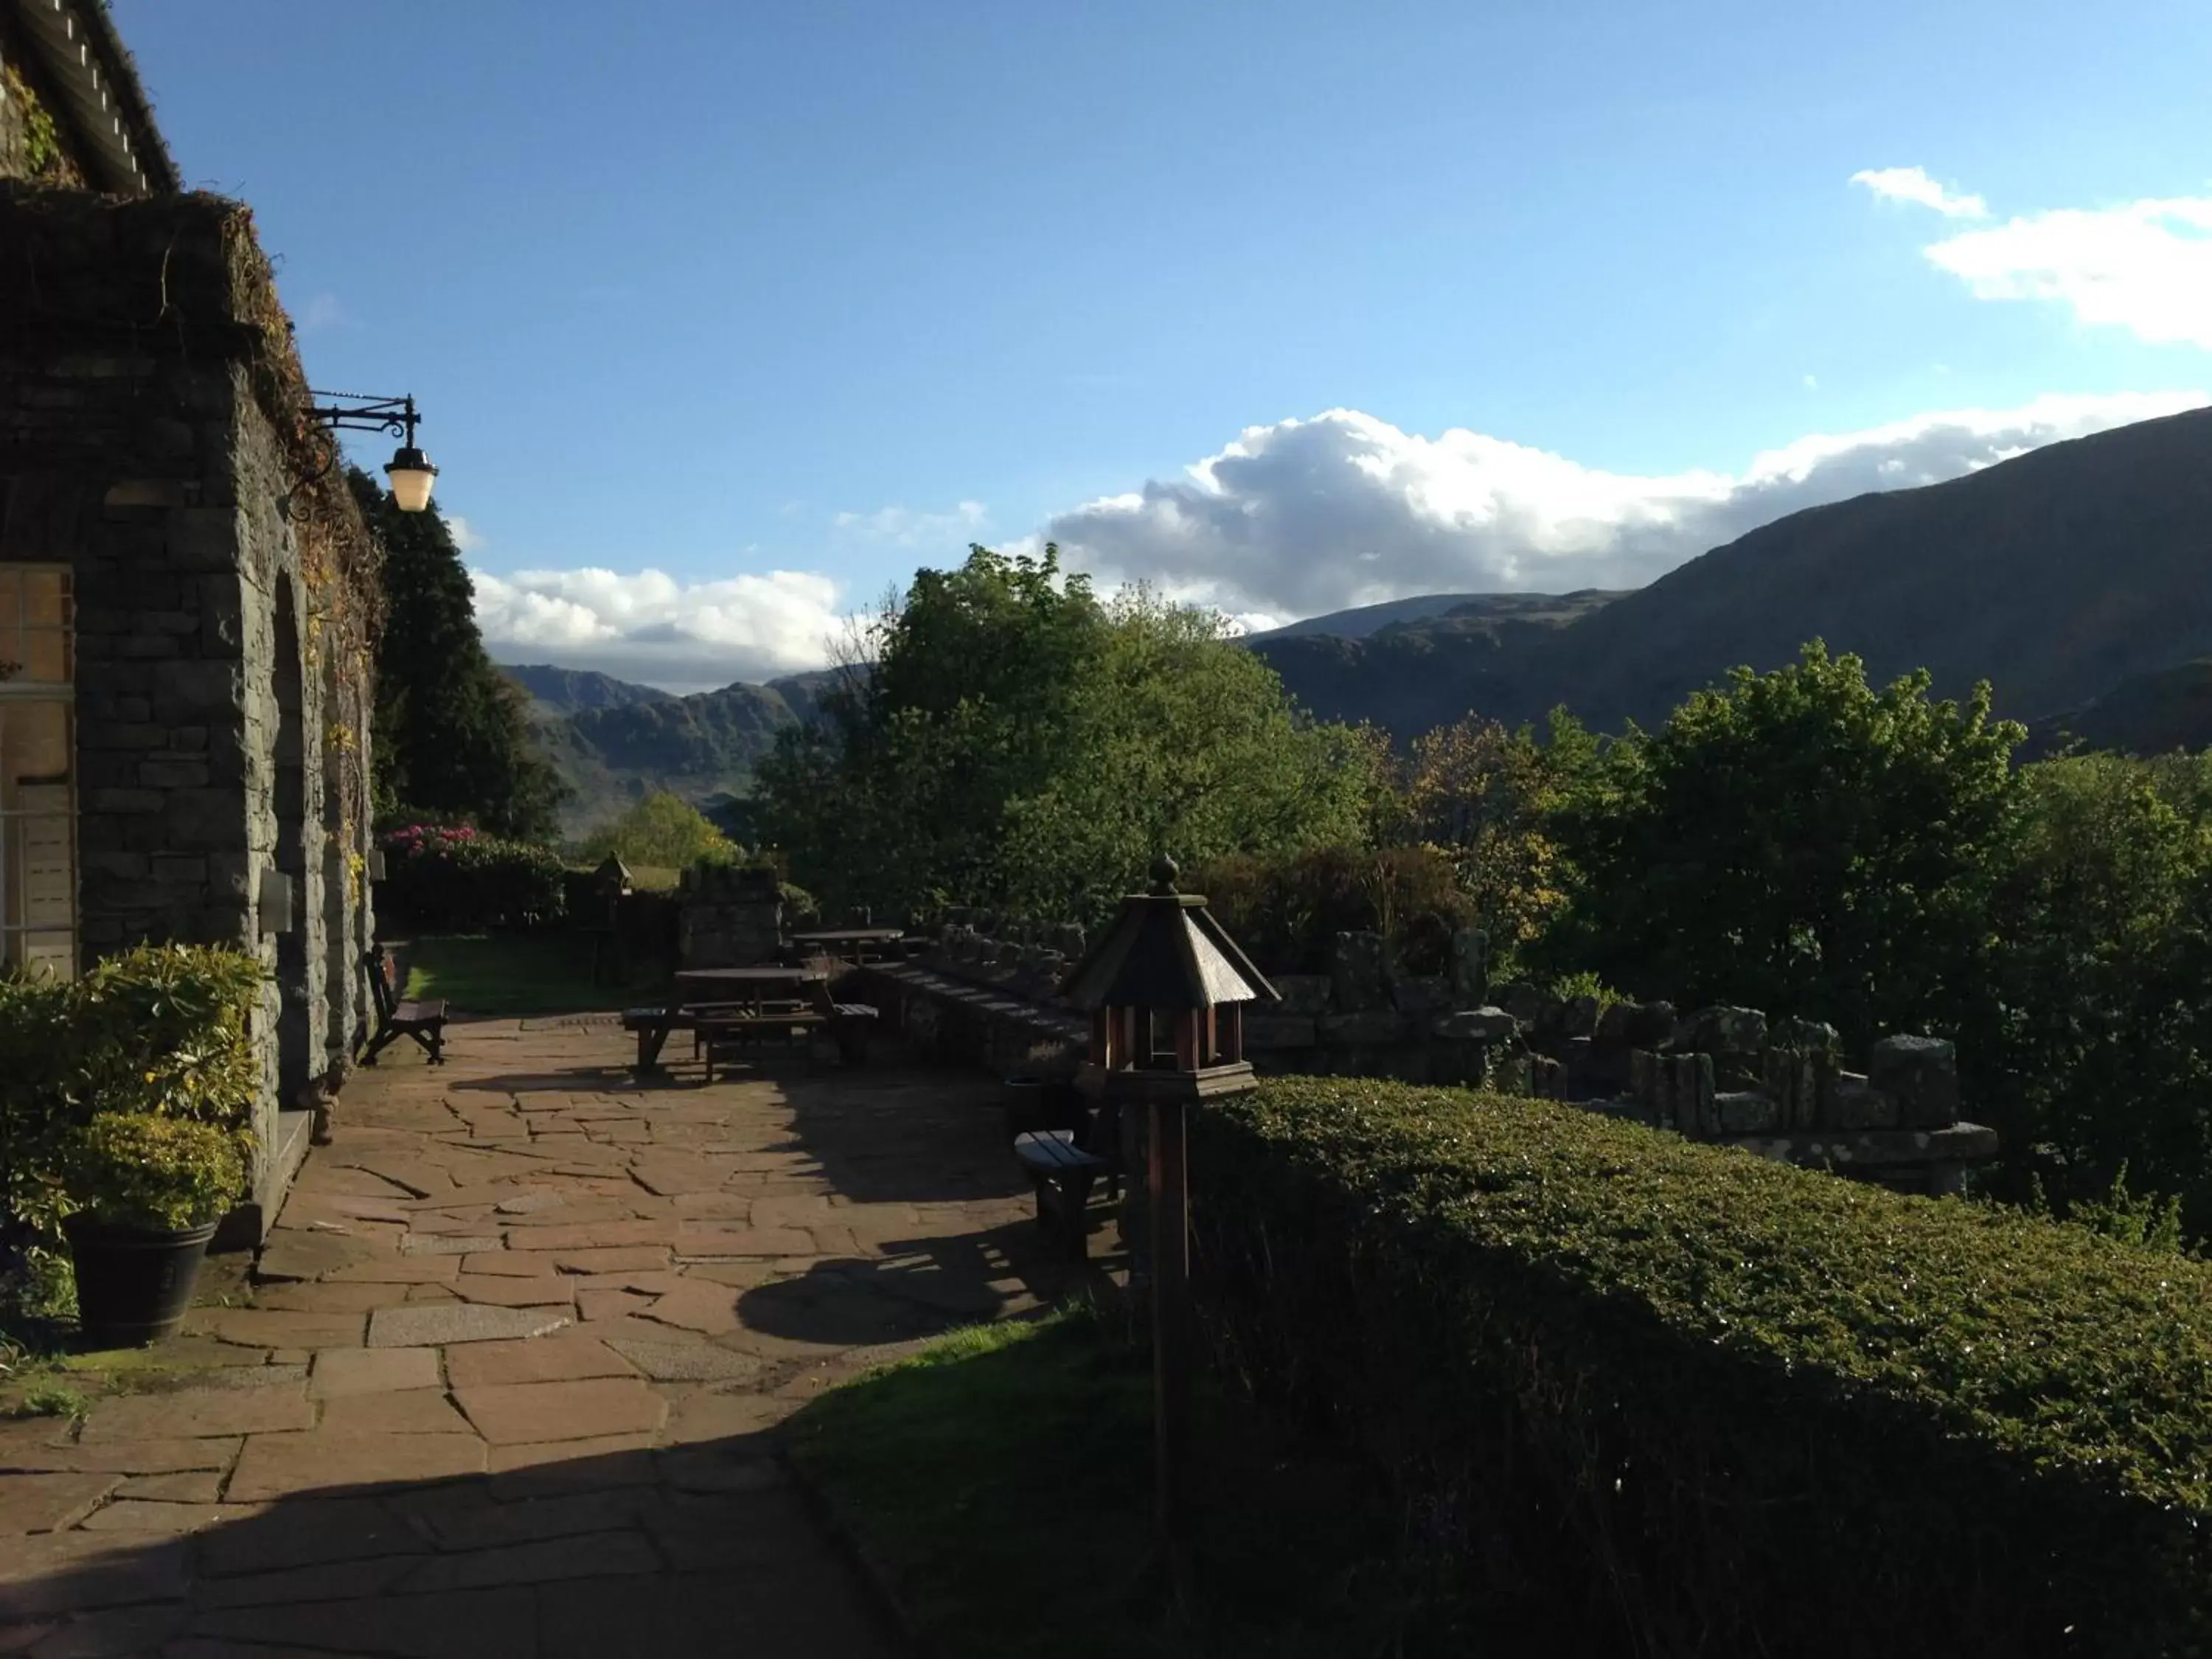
{"x": 145, "y": 1193}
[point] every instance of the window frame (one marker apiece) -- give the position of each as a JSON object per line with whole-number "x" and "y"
{"x": 15, "y": 690}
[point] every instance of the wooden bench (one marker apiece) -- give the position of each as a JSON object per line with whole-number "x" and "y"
{"x": 1063, "y": 1169}
{"x": 423, "y": 1023}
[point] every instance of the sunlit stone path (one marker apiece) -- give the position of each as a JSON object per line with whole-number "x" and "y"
{"x": 510, "y": 1377}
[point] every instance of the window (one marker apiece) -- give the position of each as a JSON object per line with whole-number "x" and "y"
{"x": 38, "y": 744}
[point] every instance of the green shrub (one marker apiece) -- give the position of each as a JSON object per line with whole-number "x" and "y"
{"x": 1287, "y": 909}
{"x": 160, "y": 1030}
{"x": 451, "y": 879}
{"x": 663, "y": 831}
{"x": 1713, "y": 1404}
{"x": 162, "y": 1173}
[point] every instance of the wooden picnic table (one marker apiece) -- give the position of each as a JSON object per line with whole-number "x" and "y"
{"x": 746, "y": 987}
{"x": 722, "y": 1004}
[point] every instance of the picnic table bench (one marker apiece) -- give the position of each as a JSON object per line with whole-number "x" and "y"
{"x": 423, "y": 1023}
{"x": 1063, "y": 1165}
{"x": 748, "y": 1008}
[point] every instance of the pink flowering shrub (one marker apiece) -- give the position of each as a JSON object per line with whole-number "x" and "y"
{"x": 453, "y": 879}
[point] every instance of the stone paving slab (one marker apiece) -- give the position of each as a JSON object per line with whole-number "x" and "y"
{"x": 339, "y": 1372}
{"x": 562, "y": 1359}
{"x": 194, "y": 1411}
{"x": 512, "y": 1414}
{"x": 435, "y": 1324}
{"x": 404, "y": 1444}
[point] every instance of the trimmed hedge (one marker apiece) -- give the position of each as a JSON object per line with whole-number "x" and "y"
{"x": 1688, "y": 1400}
{"x": 451, "y": 879}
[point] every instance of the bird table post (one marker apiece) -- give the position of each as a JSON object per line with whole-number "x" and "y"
{"x": 1165, "y": 987}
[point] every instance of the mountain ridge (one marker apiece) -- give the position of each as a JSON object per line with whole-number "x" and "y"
{"x": 2072, "y": 578}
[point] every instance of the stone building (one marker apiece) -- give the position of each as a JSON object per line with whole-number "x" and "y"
{"x": 187, "y": 590}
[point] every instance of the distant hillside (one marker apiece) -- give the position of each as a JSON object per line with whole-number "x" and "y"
{"x": 2055, "y": 575}
{"x": 1408, "y": 676}
{"x": 2144, "y": 714}
{"x": 614, "y": 741}
{"x": 569, "y": 690}
{"x": 1358, "y": 624}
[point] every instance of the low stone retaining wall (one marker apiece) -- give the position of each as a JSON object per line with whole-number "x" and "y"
{"x": 1727, "y": 1075}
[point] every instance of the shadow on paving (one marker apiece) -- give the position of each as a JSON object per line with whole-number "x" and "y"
{"x": 918, "y": 1288}
{"x": 688, "y": 1550}
{"x": 887, "y": 1132}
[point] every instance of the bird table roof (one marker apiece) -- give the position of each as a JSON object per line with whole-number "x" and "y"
{"x": 1165, "y": 950}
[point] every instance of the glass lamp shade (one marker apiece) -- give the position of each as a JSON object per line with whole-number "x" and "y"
{"x": 412, "y": 475}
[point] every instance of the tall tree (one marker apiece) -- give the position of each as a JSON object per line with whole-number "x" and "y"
{"x": 1802, "y": 843}
{"x": 453, "y": 738}
{"x": 1018, "y": 743}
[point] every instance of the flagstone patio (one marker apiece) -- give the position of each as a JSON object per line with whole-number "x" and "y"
{"x": 509, "y": 1377}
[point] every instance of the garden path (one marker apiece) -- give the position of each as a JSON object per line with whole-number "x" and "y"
{"x": 510, "y": 1377}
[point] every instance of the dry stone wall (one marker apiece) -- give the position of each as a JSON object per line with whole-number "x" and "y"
{"x": 1777, "y": 1088}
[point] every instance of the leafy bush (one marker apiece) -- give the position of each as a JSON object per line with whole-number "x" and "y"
{"x": 160, "y": 1031}
{"x": 663, "y": 832}
{"x": 451, "y": 879}
{"x": 1022, "y": 744}
{"x": 1712, "y": 1404}
{"x": 1287, "y": 909}
{"x": 1798, "y": 842}
{"x": 160, "y": 1173}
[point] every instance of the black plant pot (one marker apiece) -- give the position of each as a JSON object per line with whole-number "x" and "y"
{"x": 133, "y": 1284}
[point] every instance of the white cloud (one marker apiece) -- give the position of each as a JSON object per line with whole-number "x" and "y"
{"x": 465, "y": 536}
{"x": 2144, "y": 266}
{"x": 1913, "y": 185}
{"x": 324, "y": 311}
{"x": 902, "y": 527}
{"x": 648, "y": 626}
{"x": 1309, "y": 516}
{"x": 1300, "y": 518}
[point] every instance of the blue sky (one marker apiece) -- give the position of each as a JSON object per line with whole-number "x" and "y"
{"x": 721, "y": 291}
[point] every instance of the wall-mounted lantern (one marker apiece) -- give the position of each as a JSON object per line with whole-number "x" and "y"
{"x": 1165, "y": 988}
{"x": 410, "y": 469}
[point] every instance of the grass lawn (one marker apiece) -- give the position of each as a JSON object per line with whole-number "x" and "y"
{"x": 507, "y": 975}
{"x": 1004, "y": 1478}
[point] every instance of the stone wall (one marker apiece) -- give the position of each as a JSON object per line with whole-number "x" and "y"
{"x": 728, "y": 918}
{"x": 217, "y": 744}
{"x": 1721, "y": 1074}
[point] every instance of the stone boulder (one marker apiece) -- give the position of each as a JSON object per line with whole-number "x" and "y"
{"x": 1271, "y": 1032}
{"x": 1921, "y": 1073}
{"x": 1850, "y": 1102}
{"x": 1470, "y": 966}
{"x": 1302, "y": 993}
{"x": 1746, "y": 1112}
{"x": 1475, "y": 1025}
{"x": 1694, "y": 1094}
{"x": 1578, "y": 1017}
{"x": 1422, "y": 997}
{"x": 1359, "y": 971}
{"x": 1648, "y": 1025}
{"x": 1362, "y": 1028}
{"x": 1614, "y": 1027}
{"x": 1523, "y": 1001}
{"x": 1722, "y": 1031}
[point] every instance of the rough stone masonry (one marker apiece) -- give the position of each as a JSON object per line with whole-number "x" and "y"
{"x": 149, "y": 446}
